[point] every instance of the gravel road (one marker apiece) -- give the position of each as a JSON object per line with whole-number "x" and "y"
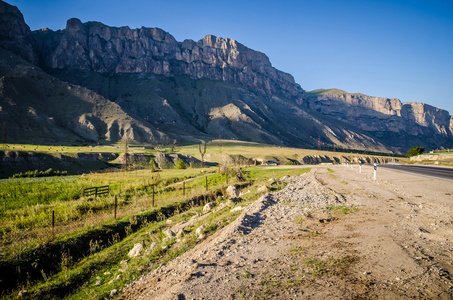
{"x": 390, "y": 238}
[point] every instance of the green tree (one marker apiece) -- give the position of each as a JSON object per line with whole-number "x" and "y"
{"x": 152, "y": 164}
{"x": 180, "y": 164}
{"x": 414, "y": 151}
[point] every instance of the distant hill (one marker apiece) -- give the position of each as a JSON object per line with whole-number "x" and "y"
{"x": 144, "y": 85}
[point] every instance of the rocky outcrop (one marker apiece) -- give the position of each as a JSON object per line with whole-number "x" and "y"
{"x": 386, "y": 118}
{"x": 13, "y": 161}
{"x": 96, "y": 47}
{"x": 15, "y": 35}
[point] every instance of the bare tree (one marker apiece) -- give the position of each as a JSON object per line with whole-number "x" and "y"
{"x": 202, "y": 149}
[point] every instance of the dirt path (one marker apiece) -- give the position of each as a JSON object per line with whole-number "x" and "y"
{"x": 387, "y": 239}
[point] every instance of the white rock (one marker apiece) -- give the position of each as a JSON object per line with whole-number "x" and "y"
{"x": 232, "y": 192}
{"x": 208, "y": 206}
{"x": 136, "y": 250}
{"x": 168, "y": 233}
{"x": 113, "y": 292}
{"x": 262, "y": 189}
{"x": 200, "y": 229}
{"x": 236, "y": 209}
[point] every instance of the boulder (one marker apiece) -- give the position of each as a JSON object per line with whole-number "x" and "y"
{"x": 209, "y": 206}
{"x": 168, "y": 233}
{"x": 262, "y": 189}
{"x": 236, "y": 209}
{"x": 232, "y": 192}
{"x": 138, "y": 248}
{"x": 200, "y": 229}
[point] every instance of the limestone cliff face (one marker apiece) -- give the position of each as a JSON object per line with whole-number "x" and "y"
{"x": 15, "y": 35}
{"x": 96, "y": 47}
{"x": 386, "y": 117}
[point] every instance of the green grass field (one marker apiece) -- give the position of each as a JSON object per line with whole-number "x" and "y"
{"x": 86, "y": 241}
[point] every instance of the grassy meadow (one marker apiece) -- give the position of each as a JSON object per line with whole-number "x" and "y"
{"x": 87, "y": 244}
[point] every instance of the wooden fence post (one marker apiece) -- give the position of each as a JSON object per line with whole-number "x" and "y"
{"x": 53, "y": 219}
{"x": 206, "y": 183}
{"x": 115, "y": 206}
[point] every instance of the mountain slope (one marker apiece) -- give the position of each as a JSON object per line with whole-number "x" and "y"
{"x": 208, "y": 108}
{"x": 38, "y": 108}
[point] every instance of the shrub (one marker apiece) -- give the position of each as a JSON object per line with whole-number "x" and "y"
{"x": 414, "y": 151}
{"x": 180, "y": 164}
{"x": 153, "y": 165}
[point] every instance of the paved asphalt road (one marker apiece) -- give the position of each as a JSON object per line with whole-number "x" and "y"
{"x": 444, "y": 173}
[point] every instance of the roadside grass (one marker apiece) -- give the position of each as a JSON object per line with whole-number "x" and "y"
{"x": 87, "y": 224}
{"x": 340, "y": 209}
{"x": 335, "y": 266}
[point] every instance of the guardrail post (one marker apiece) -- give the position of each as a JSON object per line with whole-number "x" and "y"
{"x": 375, "y": 171}
{"x": 360, "y": 168}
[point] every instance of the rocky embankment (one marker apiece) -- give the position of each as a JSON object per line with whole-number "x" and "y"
{"x": 432, "y": 157}
{"x": 13, "y": 161}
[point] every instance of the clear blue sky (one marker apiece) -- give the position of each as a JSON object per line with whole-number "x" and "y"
{"x": 397, "y": 49}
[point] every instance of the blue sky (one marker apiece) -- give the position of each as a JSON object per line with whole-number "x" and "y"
{"x": 397, "y": 49}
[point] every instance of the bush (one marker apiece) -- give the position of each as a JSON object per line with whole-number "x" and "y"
{"x": 153, "y": 165}
{"x": 180, "y": 164}
{"x": 36, "y": 173}
{"x": 166, "y": 165}
{"x": 414, "y": 151}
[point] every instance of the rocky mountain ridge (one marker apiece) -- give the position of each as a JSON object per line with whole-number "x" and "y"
{"x": 387, "y": 117}
{"x": 187, "y": 91}
{"x": 96, "y": 47}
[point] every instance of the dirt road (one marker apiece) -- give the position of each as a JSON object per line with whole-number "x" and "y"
{"x": 332, "y": 233}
